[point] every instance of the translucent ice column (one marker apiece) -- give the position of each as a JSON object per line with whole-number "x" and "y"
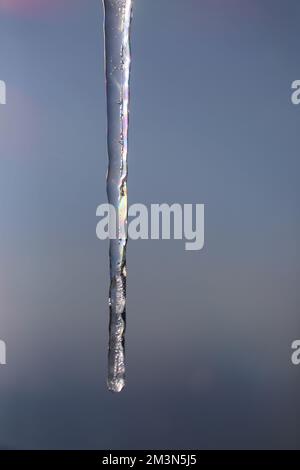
{"x": 117, "y": 62}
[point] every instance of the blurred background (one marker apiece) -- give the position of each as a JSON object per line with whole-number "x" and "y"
{"x": 209, "y": 333}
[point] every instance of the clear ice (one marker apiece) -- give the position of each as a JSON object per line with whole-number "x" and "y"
{"x": 117, "y": 24}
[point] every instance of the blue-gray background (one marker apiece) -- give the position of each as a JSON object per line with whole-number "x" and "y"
{"x": 209, "y": 333}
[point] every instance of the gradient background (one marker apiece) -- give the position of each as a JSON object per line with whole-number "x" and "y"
{"x": 209, "y": 333}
